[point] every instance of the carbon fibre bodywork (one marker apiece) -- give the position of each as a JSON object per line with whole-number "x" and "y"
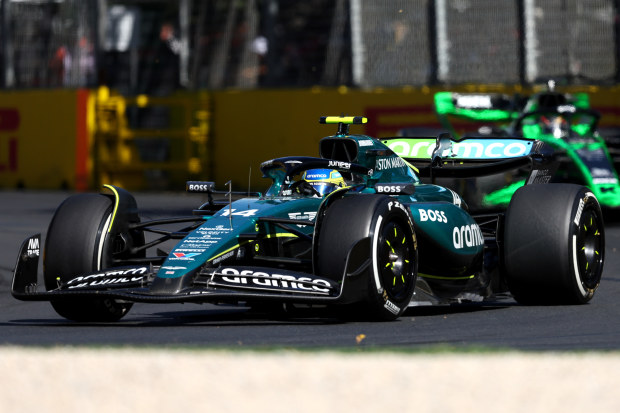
{"x": 385, "y": 238}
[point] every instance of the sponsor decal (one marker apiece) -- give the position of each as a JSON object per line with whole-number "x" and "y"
{"x": 388, "y": 305}
{"x": 391, "y": 307}
{"x": 432, "y": 215}
{"x": 540, "y": 176}
{"x": 603, "y": 181}
{"x": 169, "y": 267}
{"x": 467, "y": 149}
{"x": 579, "y": 211}
{"x": 467, "y": 236}
{"x": 120, "y": 276}
{"x": 184, "y": 255}
{"x": 567, "y": 109}
{"x": 218, "y": 230}
{"x": 316, "y": 176}
{"x": 601, "y": 172}
{"x": 474, "y": 101}
{"x": 262, "y": 279}
{"x": 199, "y": 242}
{"x": 397, "y": 204}
{"x": 592, "y": 156}
{"x": 221, "y": 258}
{"x": 389, "y": 163}
{"x": 33, "y": 247}
{"x": 339, "y": 164}
{"x": 456, "y": 199}
{"x": 395, "y": 189}
{"x": 199, "y": 186}
{"x": 365, "y": 142}
{"x": 307, "y": 216}
{"x": 246, "y": 213}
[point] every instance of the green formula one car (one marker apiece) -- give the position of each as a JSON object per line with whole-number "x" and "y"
{"x": 565, "y": 122}
{"x": 352, "y": 228}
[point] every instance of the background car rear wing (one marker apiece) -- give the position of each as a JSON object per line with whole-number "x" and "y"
{"x": 476, "y": 106}
{"x": 501, "y": 109}
{"x": 445, "y": 156}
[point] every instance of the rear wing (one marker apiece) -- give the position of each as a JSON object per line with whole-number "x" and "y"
{"x": 501, "y": 109}
{"x": 470, "y": 157}
{"x": 493, "y": 107}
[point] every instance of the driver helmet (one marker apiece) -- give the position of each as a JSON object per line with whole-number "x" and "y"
{"x": 323, "y": 181}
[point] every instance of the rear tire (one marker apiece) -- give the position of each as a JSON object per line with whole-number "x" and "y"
{"x": 376, "y": 231}
{"x": 76, "y": 244}
{"x": 554, "y": 244}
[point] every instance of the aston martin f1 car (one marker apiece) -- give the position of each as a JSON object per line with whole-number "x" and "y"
{"x": 352, "y": 228}
{"x": 563, "y": 121}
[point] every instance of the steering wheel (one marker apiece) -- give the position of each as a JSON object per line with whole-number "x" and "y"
{"x": 302, "y": 187}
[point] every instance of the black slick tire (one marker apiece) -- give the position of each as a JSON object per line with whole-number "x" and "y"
{"x": 554, "y": 244}
{"x": 376, "y": 232}
{"x": 76, "y": 244}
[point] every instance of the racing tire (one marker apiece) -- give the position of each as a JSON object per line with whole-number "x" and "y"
{"x": 380, "y": 229}
{"x": 554, "y": 244}
{"x": 75, "y": 244}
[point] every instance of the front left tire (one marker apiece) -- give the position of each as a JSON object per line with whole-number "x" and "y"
{"x": 77, "y": 243}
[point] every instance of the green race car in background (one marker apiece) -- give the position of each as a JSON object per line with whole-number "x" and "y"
{"x": 564, "y": 121}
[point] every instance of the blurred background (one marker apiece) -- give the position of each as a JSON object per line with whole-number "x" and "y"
{"x": 146, "y": 94}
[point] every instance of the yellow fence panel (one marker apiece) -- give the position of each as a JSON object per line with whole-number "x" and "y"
{"x": 148, "y": 142}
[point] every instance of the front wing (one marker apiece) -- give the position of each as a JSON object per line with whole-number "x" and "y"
{"x": 222, "y": 284}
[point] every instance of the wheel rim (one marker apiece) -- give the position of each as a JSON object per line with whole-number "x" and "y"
{"x": 395, "y": 262}
{"x": 590, "y": 249}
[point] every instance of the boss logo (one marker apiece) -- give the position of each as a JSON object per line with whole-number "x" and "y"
{"x": 388, "y": 189}
{"x": 199, "y": 186}
{"x": 407, "y": 189}
{"x": 432, "y": 215}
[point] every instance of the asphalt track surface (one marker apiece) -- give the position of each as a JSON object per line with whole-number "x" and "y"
{"x": 498, "y": 325}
